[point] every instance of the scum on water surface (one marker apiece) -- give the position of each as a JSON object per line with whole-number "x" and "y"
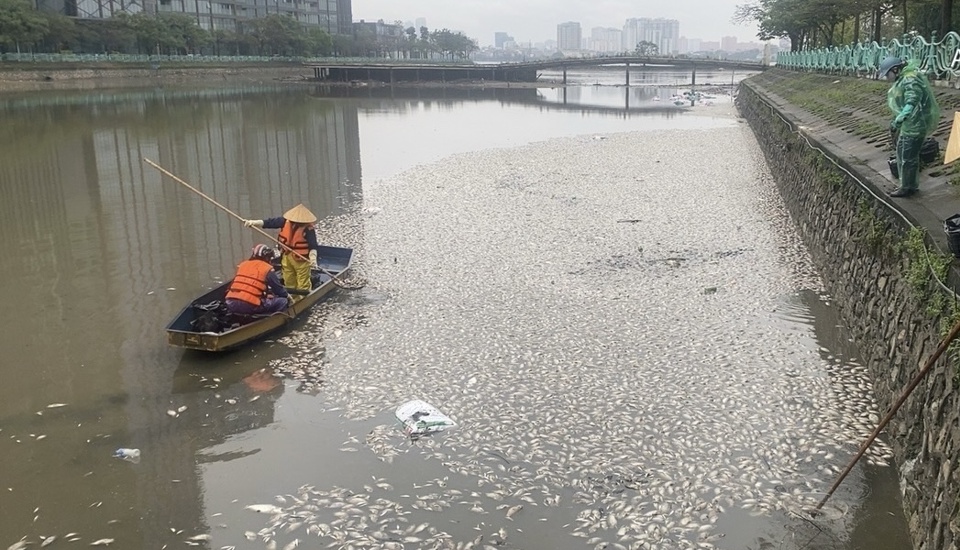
{"x": 609, "y": 321}
{"x": 601, "y": 395}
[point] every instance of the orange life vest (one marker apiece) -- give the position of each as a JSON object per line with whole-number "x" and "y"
{"x": 294, "y": 236}
{"x": 250, "y": 284}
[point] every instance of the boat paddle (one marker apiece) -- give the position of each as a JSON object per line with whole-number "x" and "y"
{"x": 165, "y": 172}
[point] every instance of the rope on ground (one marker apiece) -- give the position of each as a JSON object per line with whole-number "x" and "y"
{"x": 865, "y": 187}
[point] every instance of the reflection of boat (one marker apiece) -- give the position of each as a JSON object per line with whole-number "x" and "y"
{"x": 205, "y": 325}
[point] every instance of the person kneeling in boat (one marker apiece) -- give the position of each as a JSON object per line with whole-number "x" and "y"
{"x": 299, "y": 239}
{"x": 256, "y": 289}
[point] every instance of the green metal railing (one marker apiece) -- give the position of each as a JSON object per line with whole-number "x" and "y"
{"x": 936, "y": 57}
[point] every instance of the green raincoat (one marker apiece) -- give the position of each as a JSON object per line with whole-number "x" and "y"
{"x": 911, "y": 100}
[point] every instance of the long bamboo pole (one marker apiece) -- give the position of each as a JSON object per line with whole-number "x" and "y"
{"x": 237, "y": 216}
{"x": 896, "y": 406}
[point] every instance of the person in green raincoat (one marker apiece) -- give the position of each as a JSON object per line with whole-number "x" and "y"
{"x": 916, "y": 114}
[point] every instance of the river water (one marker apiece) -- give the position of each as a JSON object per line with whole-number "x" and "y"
{"x": 599, "y": 286}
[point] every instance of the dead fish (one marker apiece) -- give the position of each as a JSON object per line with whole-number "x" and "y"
{"x": 201, "y": 537}
{"x": 182, "y": 408}
{"x": 47, "y": 540}
{"x": 19, "y": 545}
{"x": 102, "y": 542}
{"x": 56, "y": 405}
{"x": 172, "y": 413}
{"x": 513, "y": 510}
{"x": 264, "y": 508}
{"x": 293, "y": 544}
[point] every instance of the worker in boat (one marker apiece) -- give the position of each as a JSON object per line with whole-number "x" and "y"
{"x": 916, "y": 115}
{"x": 256, "y": 289}
{"x": 297, "y": 234}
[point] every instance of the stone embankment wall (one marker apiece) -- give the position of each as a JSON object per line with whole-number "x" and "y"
{"x": 14, "y": 77}
{"x": 879, "y": 271}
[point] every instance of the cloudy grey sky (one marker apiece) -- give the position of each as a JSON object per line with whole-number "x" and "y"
{"x": 536, "y": 20}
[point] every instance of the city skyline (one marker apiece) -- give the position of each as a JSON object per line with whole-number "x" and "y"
{"x": 537, "y": 20}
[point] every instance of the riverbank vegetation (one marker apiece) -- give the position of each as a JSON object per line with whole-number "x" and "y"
{"x": 25, "y": 29}
{"x": 817, "y": 23}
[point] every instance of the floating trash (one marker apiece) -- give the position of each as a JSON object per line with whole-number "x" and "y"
{"x": 130, "y": 455}
{"x": 421, "y": 418}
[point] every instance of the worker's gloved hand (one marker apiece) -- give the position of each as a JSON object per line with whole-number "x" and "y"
{"x": 253, "y": 223}
{"x": 313, "y": 259}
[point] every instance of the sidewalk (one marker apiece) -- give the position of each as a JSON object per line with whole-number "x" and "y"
{"x": 850, "y": 116}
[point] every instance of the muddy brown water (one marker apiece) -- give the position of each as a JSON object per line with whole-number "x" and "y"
{"x": 101, "y": 252}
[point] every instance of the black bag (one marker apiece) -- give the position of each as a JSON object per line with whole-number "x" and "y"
{"x": 929, "y": 151}
{"x": 951, "y": 226}
{"x": 210, "y": 317}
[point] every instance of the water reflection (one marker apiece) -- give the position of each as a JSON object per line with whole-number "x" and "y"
{"x": 104, "y": 252}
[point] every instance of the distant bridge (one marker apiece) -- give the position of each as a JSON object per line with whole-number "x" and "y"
{"x": 527, "y": 71}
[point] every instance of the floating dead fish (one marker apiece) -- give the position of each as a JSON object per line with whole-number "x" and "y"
{"x": 102, "y": 542}
{"x": 56, "y": 405}
{"x": 264, "y": 508}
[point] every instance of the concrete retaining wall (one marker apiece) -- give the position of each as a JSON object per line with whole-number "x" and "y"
{"x": 13, "y": 78}
{"x": 891, "y": 306}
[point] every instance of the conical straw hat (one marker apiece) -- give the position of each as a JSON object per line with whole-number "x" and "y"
{"x": 300, "y": 214}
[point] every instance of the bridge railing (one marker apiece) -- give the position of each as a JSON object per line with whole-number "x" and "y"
{"x": 936, "y": 57}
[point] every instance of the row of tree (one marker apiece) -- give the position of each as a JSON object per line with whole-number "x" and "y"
{"x": 816, "y": 23}
{"x": 412, "y": 43}
{"x": 23, "y": 28}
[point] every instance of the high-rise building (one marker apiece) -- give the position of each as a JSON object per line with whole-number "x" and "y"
{"x": 605, "y": 39}
{"x": 728, "y": 43}
{"x": 333, "y": 16}
{"x": 420, "y": 22}
{"x": 568, "y": 36}
{"x": 501, "y": 38}
{"x": 663, "y": 33}
{"x": 630, "y": 35}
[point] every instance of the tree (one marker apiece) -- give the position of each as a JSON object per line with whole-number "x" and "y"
{"x": 61, "y": 32}
{"x": 20, "y": 23}
{"x": 278, "y": 35}
{"x": 318, "y": 42}
{"x": 646, "y": 49}
{"x": 190, "y": 37}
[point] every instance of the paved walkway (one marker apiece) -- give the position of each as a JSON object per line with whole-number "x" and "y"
{"x": 858, "y": 131}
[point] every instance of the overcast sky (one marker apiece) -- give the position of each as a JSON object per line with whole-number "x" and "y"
{"x": 536, "y": 20}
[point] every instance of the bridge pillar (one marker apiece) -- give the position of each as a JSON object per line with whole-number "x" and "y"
{"x": 693, "y": 80}
{"x": 564, "y": 83}
{"x": 628, "y": 74}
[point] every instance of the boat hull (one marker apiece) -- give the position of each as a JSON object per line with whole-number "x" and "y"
{"x": 182, "y": 334}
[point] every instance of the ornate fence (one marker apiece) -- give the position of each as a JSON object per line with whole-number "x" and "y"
{"x": 937, "y": 57}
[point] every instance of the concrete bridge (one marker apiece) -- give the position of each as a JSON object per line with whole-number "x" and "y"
{"x": 528, "y": 71}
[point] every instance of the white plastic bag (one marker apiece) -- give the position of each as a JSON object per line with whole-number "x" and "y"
{"x": 421, "y": 418}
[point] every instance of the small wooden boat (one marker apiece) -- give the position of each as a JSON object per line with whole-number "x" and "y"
{"x": 206, "y": 325}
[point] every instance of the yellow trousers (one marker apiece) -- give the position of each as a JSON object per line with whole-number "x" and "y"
{"x": 296, "y": 272}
